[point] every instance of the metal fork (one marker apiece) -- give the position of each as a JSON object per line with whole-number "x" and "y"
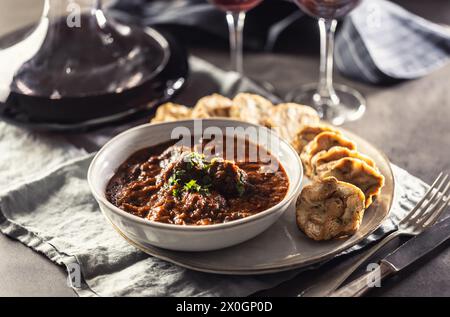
{"x": 424, "y": 214}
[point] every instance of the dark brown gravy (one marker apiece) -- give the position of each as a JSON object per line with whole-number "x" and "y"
{"x": 174, "y": 184}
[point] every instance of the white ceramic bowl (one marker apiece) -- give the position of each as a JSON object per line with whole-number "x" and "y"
{"x": 188, "y": 238}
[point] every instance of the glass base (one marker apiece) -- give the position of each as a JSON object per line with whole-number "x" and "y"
{"x": 267, "y": 86}
{"x": 349, "y": 105}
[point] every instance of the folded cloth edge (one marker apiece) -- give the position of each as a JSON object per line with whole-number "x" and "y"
{"x": 15, "y": 231}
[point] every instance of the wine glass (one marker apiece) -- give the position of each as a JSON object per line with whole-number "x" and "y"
{"x": 235, "y": 14}
{"x": 335, "y": 103}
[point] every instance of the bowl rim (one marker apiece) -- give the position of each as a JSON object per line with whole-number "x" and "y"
{"x": 167, "y": 226}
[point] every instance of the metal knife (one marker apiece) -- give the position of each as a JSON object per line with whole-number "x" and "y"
{"x": 405, "y": 255}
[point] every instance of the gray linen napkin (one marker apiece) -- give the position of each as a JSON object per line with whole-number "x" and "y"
{"x": 25, "y": 155}
{"x": 381, "y": 42}
{"x": 51, "y": 210}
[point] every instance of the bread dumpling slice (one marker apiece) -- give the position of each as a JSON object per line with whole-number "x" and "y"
{"x": 336, "y": 153}
{"x": 328, "y": 209}
{"x": 307, "y": 133}
{"x": 287, "y": 118}
{"x": 212, "y": 106}
{"x": 250, "y": 108}
{"x": 323, "y": 142}
{"x": 171, "y": 112}
{"x": 356, "y": 172}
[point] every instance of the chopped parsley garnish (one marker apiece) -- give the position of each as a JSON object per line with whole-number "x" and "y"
{"x": 175, "y": 178}
{"x": 196, "y": 161}
{"x": 240, "y": 189}
{"x": 240, "y": 185}
{"x": 176, "y": 192}
{"x": 192, "y": 186}
{"x": 197, "y": 175}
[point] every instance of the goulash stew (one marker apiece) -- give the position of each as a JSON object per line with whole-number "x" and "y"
{"x": 200, "y": 184}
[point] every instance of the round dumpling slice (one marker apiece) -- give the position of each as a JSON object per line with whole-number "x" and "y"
{"x": 323, "y": 142}
{"x": 336, "y": 153}
{"x": 356, "y": 172}
{"x": 328, "y": 209}
{"x": 287, "y": 118}
{"x": 214, "y": 105}
{"x": 251, "y": 108}
{"x": 307, "y": 133}
{"x": 171, "y": 112}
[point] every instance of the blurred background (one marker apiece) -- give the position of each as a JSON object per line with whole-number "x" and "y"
{"x": 15, "y": 14}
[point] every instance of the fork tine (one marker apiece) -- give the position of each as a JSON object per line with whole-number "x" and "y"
{"x": 437, "y": 209}
{"x": 422, "y": 200}
{"x": 433, "y": 199}
{"x": 439, "y": 213}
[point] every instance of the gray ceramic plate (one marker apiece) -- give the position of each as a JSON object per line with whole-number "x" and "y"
{"x": 283, "y": 247}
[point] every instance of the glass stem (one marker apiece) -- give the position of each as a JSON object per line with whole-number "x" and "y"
{"x": 98, "y": 4}
{"x": 327, "y": 95}
{"x": 236, "y": 25}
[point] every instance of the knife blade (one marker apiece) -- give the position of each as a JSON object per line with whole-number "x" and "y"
{"x": 405, "y": 255}
{"x": 419, "y": 246}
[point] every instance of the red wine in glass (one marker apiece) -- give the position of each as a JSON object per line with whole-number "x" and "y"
{"x": 236, "y": 5}
{"x": 327, "y": 9}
